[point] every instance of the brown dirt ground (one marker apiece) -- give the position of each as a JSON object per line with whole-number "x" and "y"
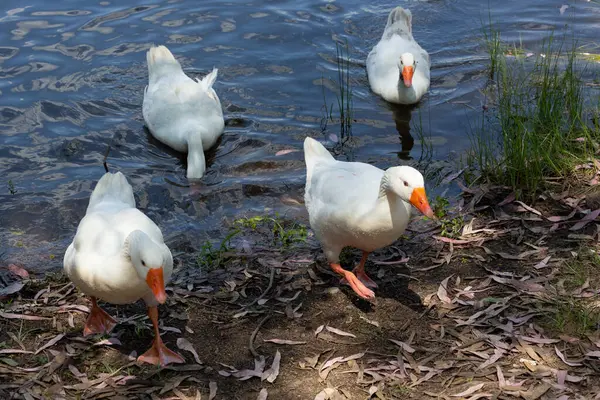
{"x": 494, "y": 329}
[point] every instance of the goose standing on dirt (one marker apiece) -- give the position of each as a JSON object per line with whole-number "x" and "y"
{"x": 359, "y": 205}
{"x": 183, "y": 113}
{"x": 397, "y": 67}
{"x": 118, "y": 255}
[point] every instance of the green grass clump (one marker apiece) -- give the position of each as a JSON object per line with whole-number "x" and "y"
{"x": 573, "y": 315}
{"x": 450, "y": 227}
{"x": 539, "y": 123}
{"x": 584, "y": 266}
{"x": 284, "y": 233}
{"x": 214, "y": 257}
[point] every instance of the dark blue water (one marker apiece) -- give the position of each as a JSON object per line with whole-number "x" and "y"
{"x": 73, "y": 73}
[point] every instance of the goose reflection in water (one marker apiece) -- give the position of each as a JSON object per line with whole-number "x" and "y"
{"x": 402, "y": 115}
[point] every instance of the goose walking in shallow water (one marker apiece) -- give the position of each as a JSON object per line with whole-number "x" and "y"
{"x": 119, "y": 255}
{"x": 397, "y": 67}
{"x": 183, "y": 113}
{"x": 359, "y": 205}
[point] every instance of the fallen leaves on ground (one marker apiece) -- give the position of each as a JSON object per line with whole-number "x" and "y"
{"x": 484, "y": 339}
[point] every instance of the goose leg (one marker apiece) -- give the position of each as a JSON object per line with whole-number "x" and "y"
{"x": 159, "y": 354}
{"x": 98, "y": 321}
{"x": 359, "y": 288}
{"x": 360, "y": 273}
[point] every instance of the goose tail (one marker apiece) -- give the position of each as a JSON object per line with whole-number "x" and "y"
{"x": 112, "y": 187}
{"x": 314, "y": 152}
{"x": 399, "y": 22}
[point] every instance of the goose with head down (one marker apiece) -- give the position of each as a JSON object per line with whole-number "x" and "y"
{"x": 359, "y": 205}
{"x": 118, "y": 255}
{"x": 183, "y": 113}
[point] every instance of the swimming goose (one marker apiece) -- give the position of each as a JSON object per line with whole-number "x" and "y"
{"x": 359, "y": 205}
{"x": 183, "y": 113}
{"x": 397, "y": 67}
{"x": 118, "y": 255}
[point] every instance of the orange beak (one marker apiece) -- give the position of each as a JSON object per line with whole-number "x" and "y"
{"x": 407, "y": 75}
{"x": 418, "y": 198}
{"x": 156, "y": 282}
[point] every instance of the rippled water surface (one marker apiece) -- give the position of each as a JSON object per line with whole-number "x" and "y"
{"x": 73, "y": 73}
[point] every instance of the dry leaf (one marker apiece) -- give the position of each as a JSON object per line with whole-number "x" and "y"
{"x": 50, "y": 343}
{"x": 369, "y": 321}
{"x": 339, "y": 332}
{"x": 283, "y": 152}
{"x": 19, "y": 271}
{"x": 454, "y": 241}
{"x": 481, "y": 396}
{"x": 564, "y": 359}
{"x": 284, "y": 341}
{"x": 557, "y": 218}
{"x": 184, "y": 344}
{"x": 76, "y": 373}
{"x": 326, "y": 394}
{"x": 509, "y": 199}
{"x": 530, "y": 209}
{"x": 537, "y": 392}
{"x": 271, "y": 374}
{"x": 501, "y": 380}
{"x": 11, "y": 289}
{"x": 452, "y": 177}
{"x": 497, "y": 355}
{"x": 442, "y": 291}
{"x": 108, "y": 342}
{"x": 341, "y": 360}
{"x": 213, "y": 390}
{"x": 263, "y": 394}
{"x": 403, "y": 345}
{"x": 586, "y": 220}
{"x": 543, "y": 263}
{"x": 173, "y": 383}
{"x": 15, "y": 351}
{"x": 319, "y": 329}
{"x": 469, "y": 391}
{"x": 538, "y": 340}
{"x": 22, "y": 316}
{"x": 310, "y": 361}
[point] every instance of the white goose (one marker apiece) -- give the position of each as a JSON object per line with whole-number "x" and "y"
{"x": 118, "y": 255}
{"x": 359, "y": 205}
{"x": 397, "y": 67}
{"x": 183, "y": 113}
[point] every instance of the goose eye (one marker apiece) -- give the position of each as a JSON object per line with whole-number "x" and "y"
{"x": 144, "y": 263}
{"x": 401, "y": 62}
{"x": 405, "y": 183}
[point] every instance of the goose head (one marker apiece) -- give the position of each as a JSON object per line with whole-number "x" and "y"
{"x": 407, "y": 66}
{"x": 407, "y": 183}
{"x": 148, "y": 259}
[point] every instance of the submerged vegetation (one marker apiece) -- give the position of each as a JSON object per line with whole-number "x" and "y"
{"x": 539, "y": 120}
{"x": 345, "y": 107}
{"x": 11, "y": 187}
